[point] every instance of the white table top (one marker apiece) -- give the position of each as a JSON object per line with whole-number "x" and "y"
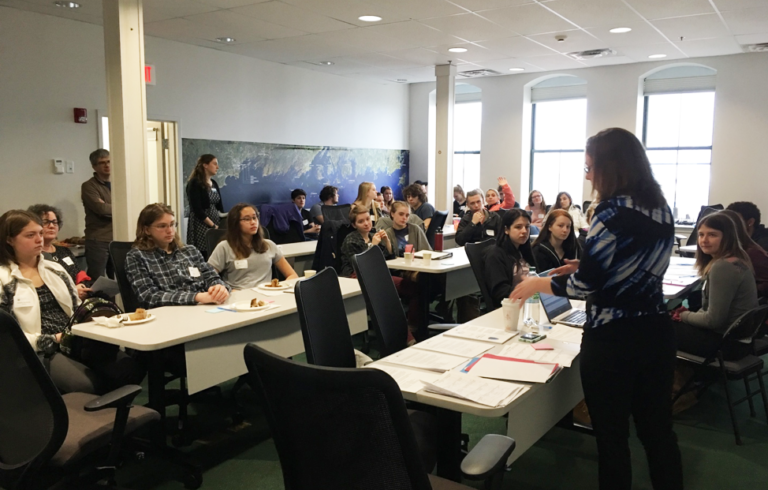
{"x": 458, "y": 261}
{"x": 298, "y": 249}
{"x": 688, "y": 248}
{"x": 448, "y": 230}
{"x": 176, "y": 325}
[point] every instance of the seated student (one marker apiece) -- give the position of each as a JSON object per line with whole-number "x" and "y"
{"x": 459, "y": 202}
{"x": 556, "y": 242}
{"x": 729, "y": 290}
{"x": 417, "y": 200}
{"x": 751, "y": 215}
{"x": 329, "y": 196}
{"x": 757, "y": 255}
{"x": 478, "y": 223}
{"x": 495, "y": 202}
{"x": 386, "y": 193}
{"x": 366, "y": 197}
{"x": 245, "y": 258}
{"x": 380, "y": 203}
{"x": 299, "y": 198}
{"x": 163, "y": 271}
{"x": 403, "y": 233}
{"x": 537, "y": 207}
{"x": 51, "y": 219}
{"x": 506, "y": 263}
{"x": 42, "y": 297}
{"x": 362, "y": 239}
{"x": 565, "y": 202}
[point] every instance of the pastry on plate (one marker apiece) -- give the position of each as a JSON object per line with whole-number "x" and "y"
{"x": 139, "y": 314}
{"x": 274, "y": 284}
{"x": 257, "y": 303}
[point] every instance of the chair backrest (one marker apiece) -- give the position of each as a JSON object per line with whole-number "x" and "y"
{"x": 33, "y": 417}
{"x": 117, "y": 253}
{"x": 212, "y": 238}
{"x": 438, "y": 221}
{"x": 338, "y": 240}
{"x": 747, "y": 326}
{"x": 334, "y": 427}
{"x": 705, "y": 211}
{"x": 475, "y": 253}
{"x": 336, "y": 213}
{"x": 323, "y": 320}
{"x": 294, "y": 234}
{"x": 381, "y": 300}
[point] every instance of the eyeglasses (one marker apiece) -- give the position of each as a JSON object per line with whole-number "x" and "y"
{"x": 53, "y": 222}
{"x": 165, "y": 226}
{"x": 587, "y": 169}
{"x": 250, "y": 218}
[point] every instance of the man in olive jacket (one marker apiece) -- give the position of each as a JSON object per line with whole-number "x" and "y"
{"x": 96, "y": 194}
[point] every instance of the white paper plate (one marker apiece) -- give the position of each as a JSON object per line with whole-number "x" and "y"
{"x": 266, "y": 286}
{"x": 127, "y": 321}
{"x": 246, "y": 306}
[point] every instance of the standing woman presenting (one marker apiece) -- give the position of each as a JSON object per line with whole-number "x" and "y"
{"x": 628, "y": 347}
{"x": 204, "y": 200}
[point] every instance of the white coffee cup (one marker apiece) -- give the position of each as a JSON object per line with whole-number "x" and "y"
{"x": 408, "y": 256}
{"x": 309, "y": 273}
{"x": 427, "y": 256}
{"x": 511, "y": 312}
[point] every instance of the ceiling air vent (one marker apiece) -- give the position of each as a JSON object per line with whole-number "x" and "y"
{"x": 591, "y": 54}
{"x": 757, "y": 48}
{"x": 479, "y": 73}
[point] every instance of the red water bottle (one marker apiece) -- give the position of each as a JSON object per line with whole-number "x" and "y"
{"x": 439, "y": 240}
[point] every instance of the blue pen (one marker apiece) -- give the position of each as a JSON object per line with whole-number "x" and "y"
{"x": 493, "y": 338}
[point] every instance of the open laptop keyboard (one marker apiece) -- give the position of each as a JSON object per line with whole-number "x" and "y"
{"x": 575, "y": 317}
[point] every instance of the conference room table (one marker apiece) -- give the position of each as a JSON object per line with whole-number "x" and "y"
{"x": 213, "y": 339}
{"x": 300, "y": 254}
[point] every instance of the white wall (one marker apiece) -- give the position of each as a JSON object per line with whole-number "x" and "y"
{"x": 50, "y": 65}
{"x": 740, "y": 144}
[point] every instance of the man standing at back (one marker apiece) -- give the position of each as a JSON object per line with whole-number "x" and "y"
{"x": 96, "y": 194}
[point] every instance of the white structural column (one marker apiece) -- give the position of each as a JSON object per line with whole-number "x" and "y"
{"x": 127, "y": 106}
{"x": 444, "y": 101}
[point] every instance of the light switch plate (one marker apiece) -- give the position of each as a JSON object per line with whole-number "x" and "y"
{"x": 70, "y": 167}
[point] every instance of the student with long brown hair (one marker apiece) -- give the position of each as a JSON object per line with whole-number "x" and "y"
{"x": 536, "y": 207}
{"x": 361, "y": 239}
{"x": 510, "y": 260}
{"x": 556, "y": 242}
{"x": 245, "y": 258}
{"x": 628, "y": 348}
{"x": 204, "y": 198}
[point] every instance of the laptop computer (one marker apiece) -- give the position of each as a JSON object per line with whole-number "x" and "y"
{"x": 560, "y": 310}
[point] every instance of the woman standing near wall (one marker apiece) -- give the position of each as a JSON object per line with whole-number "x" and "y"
{"x": 204, "y": 200}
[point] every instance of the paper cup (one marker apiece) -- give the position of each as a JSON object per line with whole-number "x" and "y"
{"x": 408, "y": 256}
{"x": 456, "y": 223}
{"x": 511, "y": 312}
{"x": 427, "y": 257}
{"x": 309, "y": 273}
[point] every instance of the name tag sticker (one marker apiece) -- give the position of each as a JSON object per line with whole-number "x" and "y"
{"x": 68, "y": 261}
{"x": 23, "y": 302}
{"x": 406, "y": 238}
{"x": 194, "y": 272}
{"x": 490, "y": 232}
{"x": 241, "y": 264}
{"x": 305, "y": 222}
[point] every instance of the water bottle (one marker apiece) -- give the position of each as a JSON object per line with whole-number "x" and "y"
{"x": 532, "y": 309}
{"x": 439, "y": 240}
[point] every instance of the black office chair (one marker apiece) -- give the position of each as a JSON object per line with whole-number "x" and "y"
{"x": 348, "y": 428}
{"x": 742, "y": 331}
{"x": 336, "y": 213}
{"x": 294, "y": 234}
{"x": 212, "y": 238}
{"x": 475, "y": 253}
{"x": 44, "y": 435}
{"x": 117, "y": 253}
{"x": 338, "y": 240}
{"x": 438, "y": 221}
{"x": 705, "y": 211}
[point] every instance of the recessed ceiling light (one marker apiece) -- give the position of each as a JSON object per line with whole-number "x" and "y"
{"x": 68, "y": 5}
{"x": 226, "y": 39}
{"x": 369, "y": 18}
{"x": 325, "y": 63}
{"x": 517, "y": 69}
{"x": 657, "y": 56}
{"x": 457, "y": 50}
{"x": 620, "y": 30}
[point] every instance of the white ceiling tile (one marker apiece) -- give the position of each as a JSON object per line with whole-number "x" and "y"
{"x": 423, "y": 57}
{"x": 517, "y": 47}
{"x": 473, "y": 54}
{"x": 469, "y": 27}
{"x": 155, "y": 10}
{"x": 692, "y": 27}
{"x": 302, "y": 48}
{"x": 226, "y": 23}
{"x": 725, "y": 5}
{"x": 228, "y": 4}
{"x": 476, "y": 5}
{"x": 595, "y": 13}
{"x": 553, "y": 62}
{"x": 527, "y": 19}
{"x": 641, "y": 33}
{"x": 641, "y": 53}
{"x": 418, "y": 9}
{"x": 350, "y": 10}
{"x": 90, "y": 10}
{"x": 367, "y": 39}
{"x": 752, "y": 38}
{"x": 504, "y": 65}
{"x": 660, "y": 9}
{"x": 710, "y": 47}
{"x": 415, "y": 33}
{"x": 183, "y": 30}
{"x": 575, "y": 41}
{"x": 747, "y": 21}
{"x": 292, "y": 16}
{"x": 609, "y": 60}
{"x": 380, "y": 61}
{"x": 87, "y": 7}
{"x": 340, "y": 66}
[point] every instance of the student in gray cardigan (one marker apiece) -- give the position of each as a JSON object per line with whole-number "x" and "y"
{"x": 402, "y": 232}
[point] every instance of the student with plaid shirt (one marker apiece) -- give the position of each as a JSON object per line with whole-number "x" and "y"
{"x": 163, "y": 271}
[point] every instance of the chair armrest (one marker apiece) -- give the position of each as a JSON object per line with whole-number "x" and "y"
{"x": 121, "y": 397}
{"x": 443, "y": 326}
{"x": 680, "y": 237}
{"x": 488, "y": 457}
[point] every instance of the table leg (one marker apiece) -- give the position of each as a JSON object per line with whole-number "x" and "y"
{"x": 449, "y": 450}
{"x": 425, "y": 293}
{"x": 156, "y": 385}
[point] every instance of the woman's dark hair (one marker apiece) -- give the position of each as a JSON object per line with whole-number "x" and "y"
{"x": 530, "y": 199}
{"x": 147, "y": 217}
{"x": 620, "y": 167}
{"x": 198, "y": 173}
{"x": 415, "y": 190}
{"x": 327, "y": 192}
{"x": 556, "y": 205}
{"x": 11, "y": 224}
{"x": 43, "y": 209}
{"x": 741, "y": 229}
{"x": 747, "y": 210}
{"x": 387, "y": 188}
{"x": 524, "y": 251}
{"x": 570, "y": 244}
{"x": 729, "y": 244}
{"x": 239, "y": 243}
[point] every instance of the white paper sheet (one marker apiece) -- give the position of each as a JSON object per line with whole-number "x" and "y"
{"x": 521, "y": 350}
{"x": 435, "y": 255}
{"x": 526, "y": 372}
{"x": 424, "y": 359}
{"x": 408, "y": 380}
{"x": 477, "y": 332}
{"x": 484, "y": 391}
{"x": 565, "y": 333}
{"x": 454, "y": 346}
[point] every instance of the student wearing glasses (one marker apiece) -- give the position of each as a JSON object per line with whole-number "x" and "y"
{"x": 163, "y": 271}
{"x": 628, "y": 347}
{"x": 245, "y": 258}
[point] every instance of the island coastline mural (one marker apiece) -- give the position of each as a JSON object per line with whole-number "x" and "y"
{"x": 260, "y": 173}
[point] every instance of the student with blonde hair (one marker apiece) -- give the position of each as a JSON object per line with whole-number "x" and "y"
{"x": 366, "y": 197}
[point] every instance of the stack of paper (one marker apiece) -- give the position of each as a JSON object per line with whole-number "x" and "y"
{"x": 408, "y": 380}
{"x": 434, "y": 361}
{"x": 483, "y": 391}
{"x": 508, "y": 368}
{"x": 476, "y": 332}
{"x": 557, "y": 355}
{"x": 454, "y": 346}
{"x": 565, "y": 333}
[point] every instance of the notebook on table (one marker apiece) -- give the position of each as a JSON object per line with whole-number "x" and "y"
{"x": 560, "y": 310}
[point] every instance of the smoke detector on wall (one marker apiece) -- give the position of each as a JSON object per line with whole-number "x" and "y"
{"x": 756, "y": 48}
{"x": 591, "y": 54}
{"x": 479, "y": 73}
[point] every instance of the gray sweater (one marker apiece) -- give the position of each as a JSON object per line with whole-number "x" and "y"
{"x": 416, "y": 237}
{"x": 729, "y": 292}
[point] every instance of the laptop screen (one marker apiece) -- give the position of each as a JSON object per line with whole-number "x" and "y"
{"x": 554, "y": 305}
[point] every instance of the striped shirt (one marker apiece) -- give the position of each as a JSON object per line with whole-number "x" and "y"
{"x": 625, "y": 257}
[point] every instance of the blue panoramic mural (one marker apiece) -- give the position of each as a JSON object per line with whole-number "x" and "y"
{"x": 262, "y": 173}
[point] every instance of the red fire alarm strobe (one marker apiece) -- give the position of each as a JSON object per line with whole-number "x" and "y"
{"x": 81, "y": 115}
